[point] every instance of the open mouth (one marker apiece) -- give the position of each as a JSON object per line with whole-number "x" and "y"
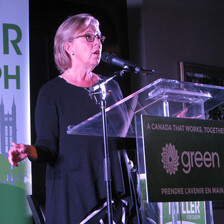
{"x": 96, "y": 52}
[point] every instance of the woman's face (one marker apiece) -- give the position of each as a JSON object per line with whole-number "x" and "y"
{"x": 86, "y": 53}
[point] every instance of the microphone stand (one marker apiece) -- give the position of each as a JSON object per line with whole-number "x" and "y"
{"x": 107, "y": 166}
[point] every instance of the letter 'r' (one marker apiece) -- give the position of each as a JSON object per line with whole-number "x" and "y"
{"x": 6, "y": 28}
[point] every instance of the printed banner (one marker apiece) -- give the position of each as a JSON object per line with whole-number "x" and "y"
{"x": 184, "y": 159}
{"x": 15, "y": 182}
{"x": 188, "y": 212}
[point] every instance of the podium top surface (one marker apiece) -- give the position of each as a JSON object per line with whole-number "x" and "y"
{"x": 150, "y": 100}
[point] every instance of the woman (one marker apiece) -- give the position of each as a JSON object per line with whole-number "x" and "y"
{"x": 75, "y": 186}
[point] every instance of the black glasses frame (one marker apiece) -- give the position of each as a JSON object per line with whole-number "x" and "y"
{"x": 91, "y": 37}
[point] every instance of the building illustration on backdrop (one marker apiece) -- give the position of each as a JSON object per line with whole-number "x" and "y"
{"x": 8, "y": 134}
{"x": 15, "y": 176}
{"x": 7, "y": 128}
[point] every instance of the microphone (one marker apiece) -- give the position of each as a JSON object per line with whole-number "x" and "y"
{"x": 127, "y": 65}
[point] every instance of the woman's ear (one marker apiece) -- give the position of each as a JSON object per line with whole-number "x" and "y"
{"x": 68, "y": 48}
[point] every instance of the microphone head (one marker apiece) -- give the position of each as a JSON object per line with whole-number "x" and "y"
{"x": 104, "y": 56}
{"x": 107, "y": 57}
{"x": 111, "y": 58}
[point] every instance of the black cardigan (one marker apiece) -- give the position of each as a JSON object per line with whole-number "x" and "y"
{"x": 75, "y": 175}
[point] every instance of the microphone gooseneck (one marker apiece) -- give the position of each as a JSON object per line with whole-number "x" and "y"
{"x": 126, "y": 65}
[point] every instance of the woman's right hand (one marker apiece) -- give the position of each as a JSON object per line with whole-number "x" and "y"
{"x": 19, "y": 152}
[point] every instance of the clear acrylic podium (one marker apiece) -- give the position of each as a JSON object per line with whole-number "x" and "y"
{"x": 163, "y": 97}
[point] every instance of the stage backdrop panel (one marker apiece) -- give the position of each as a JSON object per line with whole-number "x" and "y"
{"x": 15, "y": 182}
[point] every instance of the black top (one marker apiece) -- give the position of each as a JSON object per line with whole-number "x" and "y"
{"x": 75, "y": 175}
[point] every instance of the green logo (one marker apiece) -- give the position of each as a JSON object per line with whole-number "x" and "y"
{"x": 188, "y": 159}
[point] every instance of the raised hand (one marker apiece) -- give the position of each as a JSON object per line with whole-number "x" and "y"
{"x": 17, "y": 153}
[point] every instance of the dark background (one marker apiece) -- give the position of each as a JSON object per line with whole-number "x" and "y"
{"x": 156, "y": 34}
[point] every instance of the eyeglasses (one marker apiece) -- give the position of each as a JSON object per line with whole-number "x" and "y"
{"x": 91, "y": 37}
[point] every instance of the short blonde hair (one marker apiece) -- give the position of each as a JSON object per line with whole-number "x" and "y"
{"x": 66, "y": 33}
